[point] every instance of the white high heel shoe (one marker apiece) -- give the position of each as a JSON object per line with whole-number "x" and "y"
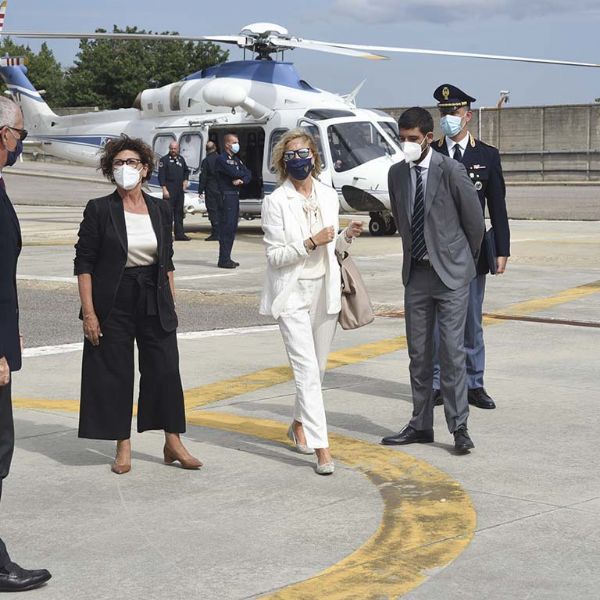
{"x": 325, "y": 469}
{"x": 301, "y": 448}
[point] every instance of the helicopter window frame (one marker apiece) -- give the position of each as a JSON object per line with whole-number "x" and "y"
{"x": 158, "y": 155}
{"x": 195, "y": 169}
{"x": 355, "y": 157}
{"x": 279, "y": 132}
{"x": 309, "y": 125}
{"x": 390, "y": 128}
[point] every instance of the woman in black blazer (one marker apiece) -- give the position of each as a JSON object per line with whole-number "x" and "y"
{"x": 124, "y": 267}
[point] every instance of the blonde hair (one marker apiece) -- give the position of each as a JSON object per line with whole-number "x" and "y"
{"x": 277, "y": 157}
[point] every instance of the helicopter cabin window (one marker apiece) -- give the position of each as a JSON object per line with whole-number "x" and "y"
{"x": 276, "y": 135}
{"x": 190, "y": 147}
{"x": 391, "y": 129}
{"x": 355, "y": 143}
{"x": 161, "y": 144}
{"x": 313, "y": 130}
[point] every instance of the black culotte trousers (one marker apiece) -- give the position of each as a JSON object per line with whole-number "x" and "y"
{"x": 107, "y": 376}
{"x": 7, "y": 446}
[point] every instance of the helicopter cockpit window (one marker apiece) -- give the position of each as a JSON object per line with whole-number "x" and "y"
{"x": 190, "y": 147}
{"x": 161, "y": 144}
{"x": 391, "y": 129}
{"x": 355, "y": 143}
{"x": 276, "y": 135}
{"x": 313, "y": 130}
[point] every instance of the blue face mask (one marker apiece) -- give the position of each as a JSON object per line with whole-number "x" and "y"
{"x": 11, "y": 159}
{"x": 299, "y": 168}
{"x": 235, "y": 148}
{"x": 451, "y": 125}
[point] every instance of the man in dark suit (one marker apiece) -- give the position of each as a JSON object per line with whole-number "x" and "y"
{"x": 482, "y": 162}
{"x": 173, "y": 177}
{"x": 13, "y": 578}
{"x": 437, "y": 212}
{"x": 209, "y": 186}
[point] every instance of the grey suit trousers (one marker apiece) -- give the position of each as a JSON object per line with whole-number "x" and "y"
{"x": 425, "y": 297}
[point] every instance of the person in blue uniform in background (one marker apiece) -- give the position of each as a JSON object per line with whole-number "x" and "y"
{"x": 209, "y": 186}
{"x": 173, "y": 177}
{"x": 232, "y": 174}
{"x": 482, "y": 162}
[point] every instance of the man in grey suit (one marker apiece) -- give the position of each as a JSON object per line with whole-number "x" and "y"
{"x": 437, "y": 211}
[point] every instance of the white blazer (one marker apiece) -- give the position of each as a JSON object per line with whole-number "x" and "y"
{"x": 285, "y": 228}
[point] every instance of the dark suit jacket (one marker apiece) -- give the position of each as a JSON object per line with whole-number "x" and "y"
{"x": 10, "y": 248}
{"x": 482, "y": 162}
{"x": 454, "y": 225}
{"x": 102, "y": 252}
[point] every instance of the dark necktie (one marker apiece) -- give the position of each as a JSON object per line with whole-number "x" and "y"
{"x": 457, "y": 153}
{"x": 419, "y": 249}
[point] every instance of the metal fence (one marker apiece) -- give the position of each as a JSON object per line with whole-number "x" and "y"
{"x": 539, "y": 143}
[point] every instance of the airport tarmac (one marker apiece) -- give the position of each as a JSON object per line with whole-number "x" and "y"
{"x": 519, "y": 517}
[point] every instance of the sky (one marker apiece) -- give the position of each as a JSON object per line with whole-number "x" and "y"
{"x": 534, "y": 28}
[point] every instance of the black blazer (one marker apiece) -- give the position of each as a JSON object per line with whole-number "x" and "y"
{"x": 483, "y": 165}
{"x": 102, "y": 252}
{"x": 10, "y": 248}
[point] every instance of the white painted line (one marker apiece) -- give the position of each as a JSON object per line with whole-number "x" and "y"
{"x": 177, "y": 278}
{"x": 46, "y": 278}
{"x": 188, "y": 335}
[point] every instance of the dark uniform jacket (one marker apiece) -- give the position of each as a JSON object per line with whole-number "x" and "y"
{"x": 228, "y": 169}
{"x": 208, "y": 175}
{"x": 482, "y": 162}
{"x": 102, "y": 252}
{"x": 173, "y": 171}
{"x": 10, "y": 248}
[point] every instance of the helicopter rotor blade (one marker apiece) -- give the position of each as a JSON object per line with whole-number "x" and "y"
{"x": 288, "y": 44}
{"x": 223, "y": 39}
{"x": 459, "y": 54}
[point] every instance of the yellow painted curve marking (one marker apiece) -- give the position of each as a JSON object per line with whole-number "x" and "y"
{"x": 428, "y": 519}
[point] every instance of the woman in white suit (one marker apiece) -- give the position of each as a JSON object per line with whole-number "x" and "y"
{"x": 302, "y": 289}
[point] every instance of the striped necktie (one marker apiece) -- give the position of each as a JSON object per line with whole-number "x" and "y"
{"x": 419, "y": 248}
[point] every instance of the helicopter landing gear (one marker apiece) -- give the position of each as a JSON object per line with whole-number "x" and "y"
{"x": 381, "y": 224}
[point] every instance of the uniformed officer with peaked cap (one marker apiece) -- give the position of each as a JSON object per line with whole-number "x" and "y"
{"x": 482, "y": 162}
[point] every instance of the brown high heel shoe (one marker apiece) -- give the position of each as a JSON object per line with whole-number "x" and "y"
{"x": 186, "y": 463}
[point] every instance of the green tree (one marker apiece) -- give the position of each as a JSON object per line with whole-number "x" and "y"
{"x": 44, "y": 71}
{"x": 111, "y": 73}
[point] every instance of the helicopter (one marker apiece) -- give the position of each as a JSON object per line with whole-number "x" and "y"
{"x": 258, "y": 100}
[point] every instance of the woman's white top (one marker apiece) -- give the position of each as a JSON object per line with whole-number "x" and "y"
{"x": 316, "y": 263}
{"x": 142, "y": 246}
{"x": 285, "y": 224}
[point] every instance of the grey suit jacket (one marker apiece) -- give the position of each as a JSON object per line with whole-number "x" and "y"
{"x": 454, "y": 224}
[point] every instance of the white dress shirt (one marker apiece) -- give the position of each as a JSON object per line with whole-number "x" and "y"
{"x": 450, "y": 143}
{"x": 424, "y": 164}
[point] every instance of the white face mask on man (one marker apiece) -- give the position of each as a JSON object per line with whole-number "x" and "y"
{"x": 412, "y": 150}
{"x": 126, "y": 177}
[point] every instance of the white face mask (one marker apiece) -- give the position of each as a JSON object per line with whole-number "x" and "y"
{"x": 126, "y": 177}
{"x": 411, "y": 150}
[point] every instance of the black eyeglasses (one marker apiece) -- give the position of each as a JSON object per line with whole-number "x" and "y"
{"x": 130, "y": 162}
{"x": 300, "y": 153}
{"x": 22, "y": 132}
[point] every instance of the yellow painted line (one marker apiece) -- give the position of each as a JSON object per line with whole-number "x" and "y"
{"x": 428, "y": 519}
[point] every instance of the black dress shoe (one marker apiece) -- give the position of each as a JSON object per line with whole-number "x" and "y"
{"x": 409, "y": 436}
{"x": 437, "y": 397}
{"x": 182, "y": 238}
{"x": 227, "y": 265}
{"x": 462, "y": 440}
{"x": 236, "y": 263}
{"x": 211, "y": 238}
{"x": 478, "y": 397}
{"x": 15, "y": 579}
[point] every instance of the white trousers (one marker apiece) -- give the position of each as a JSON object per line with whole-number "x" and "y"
{"x": 307, "y": 332}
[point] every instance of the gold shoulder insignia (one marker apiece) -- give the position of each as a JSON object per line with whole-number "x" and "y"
{"x": 441, "y": 141}
{"x": 472, "y": 140}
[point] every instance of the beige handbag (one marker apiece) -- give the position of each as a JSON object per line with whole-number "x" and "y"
{"x": 356, "y": 304}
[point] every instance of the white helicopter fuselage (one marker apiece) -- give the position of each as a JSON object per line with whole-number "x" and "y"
{"x": 257, "y": 100}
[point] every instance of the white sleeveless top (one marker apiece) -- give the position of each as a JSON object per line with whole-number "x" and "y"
{"x": 142, "y": 246}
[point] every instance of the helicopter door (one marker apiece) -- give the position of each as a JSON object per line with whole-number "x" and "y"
{"x": 315, "y": 132}
{"x": 252, "y": 149}
{"x": 190, "y": 147}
